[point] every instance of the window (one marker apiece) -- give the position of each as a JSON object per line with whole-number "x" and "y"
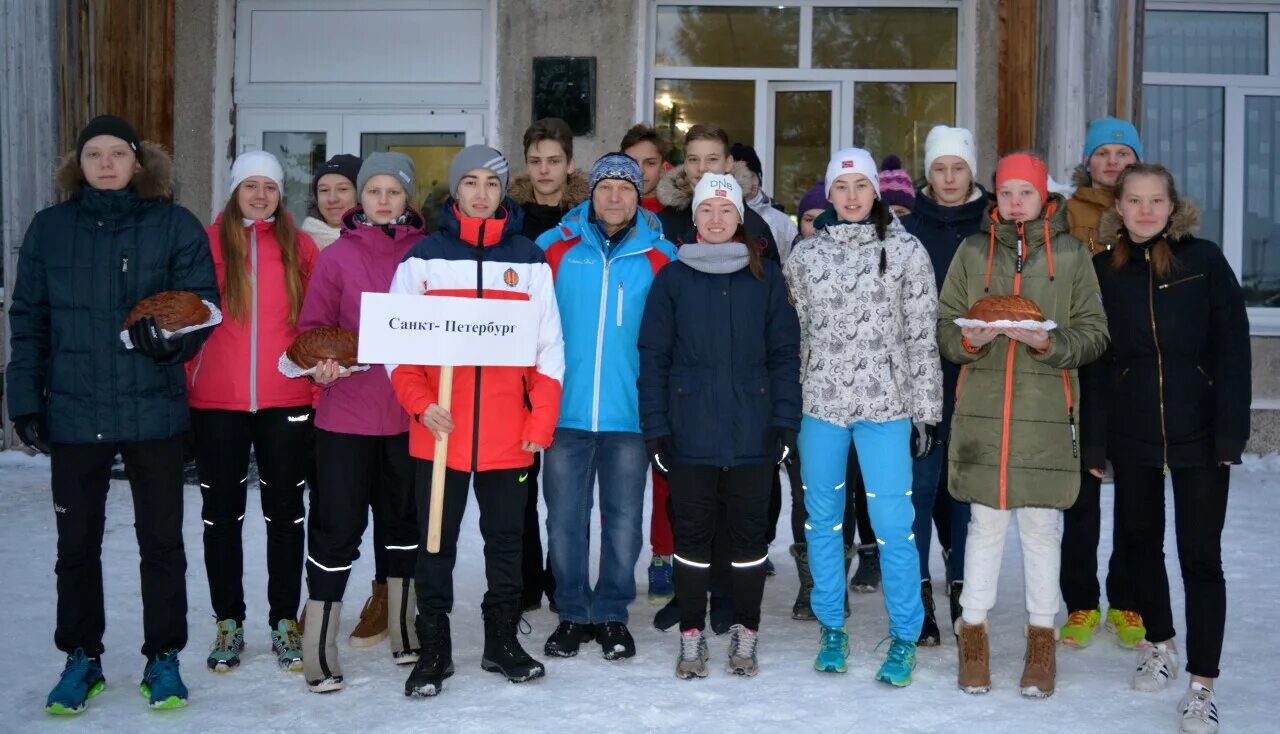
{"x": 1211, "y": 113}
{"x": 299, "y": 154}
{"x": 682, "y": 103}
{"x": 894, "y": 117}
{"x": 884, "y": 38}
{"x": 689, "y": 35}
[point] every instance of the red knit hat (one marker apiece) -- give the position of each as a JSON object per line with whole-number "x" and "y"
{"x": 1024, "y": 167}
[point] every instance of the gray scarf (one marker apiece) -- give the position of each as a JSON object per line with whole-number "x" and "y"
{"x": 715, "y": 259}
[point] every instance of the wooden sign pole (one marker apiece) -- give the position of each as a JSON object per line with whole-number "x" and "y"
{"x": 445, "y": 400}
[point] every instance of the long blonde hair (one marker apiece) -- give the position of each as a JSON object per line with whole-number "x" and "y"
{"x": 235, "y": 296}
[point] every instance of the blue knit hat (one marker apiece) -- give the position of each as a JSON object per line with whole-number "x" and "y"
{"x": 1106, "y": 130}
{"x": 619, "y": 166}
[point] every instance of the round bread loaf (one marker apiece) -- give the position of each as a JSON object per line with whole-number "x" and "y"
{"x": 172, "y": 310}
{"x": 1004, "y": 308}
{"x": 324, "y": 342}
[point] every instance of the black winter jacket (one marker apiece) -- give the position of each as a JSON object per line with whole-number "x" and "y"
{"x": 1173, "y": 390}
{"x": 719, "y": 364}
{"x": 84, "y": 264}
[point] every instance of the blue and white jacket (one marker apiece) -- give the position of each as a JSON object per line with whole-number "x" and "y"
{"x": 601, "y": 288}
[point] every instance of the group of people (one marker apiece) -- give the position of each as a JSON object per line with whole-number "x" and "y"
{"x": 691, "y": 337}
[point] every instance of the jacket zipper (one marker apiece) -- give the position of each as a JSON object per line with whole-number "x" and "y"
{"x": 1162, "y": 286}
{"x": 1007, "y": 413}
{"x": 253, "y": 321}
{"x": 1071, "y": 415}
{"x": 1206, "y": 375}
{"x": 604, "y": 314}
{"x": 1155, "y": 336}
{"x": 619, "y": 303}
{"x": 475, "y": 426}
{"x": 195, "y": 373}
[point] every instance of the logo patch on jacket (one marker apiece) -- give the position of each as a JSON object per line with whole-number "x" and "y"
{"x": 511, "y": 278}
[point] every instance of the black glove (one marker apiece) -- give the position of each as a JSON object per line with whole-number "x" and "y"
{"x": 147, "y": 339}
{"x": 659, "y": 448}
{"x": 31, "y": 431}
{"x": 784, "y": 441}
{"x": 923, "y": 439}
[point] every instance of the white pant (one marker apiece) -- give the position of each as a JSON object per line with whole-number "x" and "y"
{"x": 1040, "y": 532}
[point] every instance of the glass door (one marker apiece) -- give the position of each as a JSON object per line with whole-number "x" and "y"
{"x": 300, "y": 140}
{"x": 803, "y": 132}
{"x": 1251, "y": 215}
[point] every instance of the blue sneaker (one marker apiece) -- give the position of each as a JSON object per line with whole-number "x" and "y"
{"x": 81, "y": 680}
{"x": 833, "y": 651}
{"x": 660, "y": 586}
{"x": 899, "y": 663}
{"x": 161, "y": 682}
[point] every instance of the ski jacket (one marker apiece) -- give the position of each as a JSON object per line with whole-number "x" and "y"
{"x": 494, "y": 409}
{"x": 238, "y": 367}
{"x": 1085, "y": 209}
{"x": 601, "y": 287}
{"x": 364, "y": 258}
{"x": 675, "y": 191}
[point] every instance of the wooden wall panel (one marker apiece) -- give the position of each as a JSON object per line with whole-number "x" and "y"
{"x": 1019, "y": 47}
{"x": 118, "y": 62}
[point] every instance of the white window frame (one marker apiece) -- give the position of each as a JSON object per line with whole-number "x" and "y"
{"x": 841, "y": 115}
{"x": 963, "y": 76}
{"x": 1263, "y": 321}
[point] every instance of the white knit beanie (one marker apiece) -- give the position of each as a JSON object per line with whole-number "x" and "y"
{"x": 852, "y": 160}
{"x": 955, "y": 141}
{"x": 256, "y": 163}
{"x": 718, "y": 186}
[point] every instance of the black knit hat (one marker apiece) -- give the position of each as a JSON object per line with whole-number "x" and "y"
{"x": 107, "y": 125}
{"x": 343, "y": 164}
{"x": 747, "y": 155}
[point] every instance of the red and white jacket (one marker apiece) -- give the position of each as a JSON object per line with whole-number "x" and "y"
{"x": 238, "y": 366}
{"x": 494, "y": 409}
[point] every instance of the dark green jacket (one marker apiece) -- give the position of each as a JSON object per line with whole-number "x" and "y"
{"x": 84, "y": 264}
{"x": 1015, "y": 434}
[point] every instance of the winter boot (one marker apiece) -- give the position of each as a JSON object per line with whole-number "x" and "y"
{"x": 1128, "y": 628}
{"x": 898, "y": 664}
{"x": 742, "y": 651}
{"x": 867, "y": 577}
{"x": 954, "y": 590}
{"x": 692, "y": 661}
{"x": 1080, "y": 626}
{"x": 660, "y": 585}
{"x": 930, "y": 636}
{"x": 833, "y": 651}
{"x": 286, "y": 643}
{"x": 320, "y": 662}
{"x": 974, "y": 675}
{"x": 567, "y": 638}
{"x": 616, "y": 642}
{"x": 402, "y": 607}
{"x": 224, "y": 653}
{"x": 1040, "y": 668}
{"x": 435, "y": 658}
{"x": 1157, "y": 665}
{"x": 801, "y": 609}
{"x": 667, "y": 617}
{"x": 1199, "y": 711}
{"x": 721, "y": 612}
{"x": 162, "y": 684}
{"x": 502, "y": 651}
{"x": 81, "y": 680}
{"x": 372, "y": 626}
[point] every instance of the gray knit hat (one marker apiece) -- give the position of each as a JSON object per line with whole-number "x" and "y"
{"x": 477, "y": 156}
{"x": 397, "y": 165}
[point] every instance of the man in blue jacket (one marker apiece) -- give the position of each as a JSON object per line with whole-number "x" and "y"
{"x": 603, "y": 256}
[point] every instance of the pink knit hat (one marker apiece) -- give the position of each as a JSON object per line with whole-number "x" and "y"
{"x": 895, "y": 184}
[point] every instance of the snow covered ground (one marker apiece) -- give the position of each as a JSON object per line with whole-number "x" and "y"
{"x": 588, "y": 694}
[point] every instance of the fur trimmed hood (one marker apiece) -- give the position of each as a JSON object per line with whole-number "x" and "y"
{"x": 675, "y": 191}
{"x": 153, "y": 181}
{"x": 1185, "y": 222}
{"x": 575, "y": 190}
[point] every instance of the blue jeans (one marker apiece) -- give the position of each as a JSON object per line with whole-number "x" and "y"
{"x": 926, "y": 483}
{"x": 570, "y": 469}
{"x": 884, "y": 455}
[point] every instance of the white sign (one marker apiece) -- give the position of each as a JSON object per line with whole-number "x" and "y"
{"x": 398, "y": 328}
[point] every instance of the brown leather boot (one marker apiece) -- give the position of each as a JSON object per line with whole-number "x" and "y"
{"x": 1041, "y": 665}
{"x": 975, "y": 658}
{"x": 372, "y": 627}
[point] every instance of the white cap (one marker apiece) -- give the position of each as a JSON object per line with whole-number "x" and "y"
{"x": 718, "y": 186}
{"x": 256, "y": 163}
{"x": 955, "y": 141}
{"x": 853, "y": 160}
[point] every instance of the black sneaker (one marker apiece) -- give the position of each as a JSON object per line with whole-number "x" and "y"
{"x": 615, "y": 641}
{"x": 721, "y": 612}
{"x": 929, "y": 634}
{"x": 435, "y": 659}
{"x": 568, "y": 637}
{"x": 667, "y": 617}
{"x": 502, "y": 651}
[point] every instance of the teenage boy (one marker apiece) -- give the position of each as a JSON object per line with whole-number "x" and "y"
{"x": 643, "y": 143}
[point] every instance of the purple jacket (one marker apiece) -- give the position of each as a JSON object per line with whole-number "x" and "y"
{"x": 363, "y": 259}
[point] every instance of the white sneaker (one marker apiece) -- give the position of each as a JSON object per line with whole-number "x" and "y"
{"x": 1199, "y": 712}
{"x": 1157, "y": 665}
